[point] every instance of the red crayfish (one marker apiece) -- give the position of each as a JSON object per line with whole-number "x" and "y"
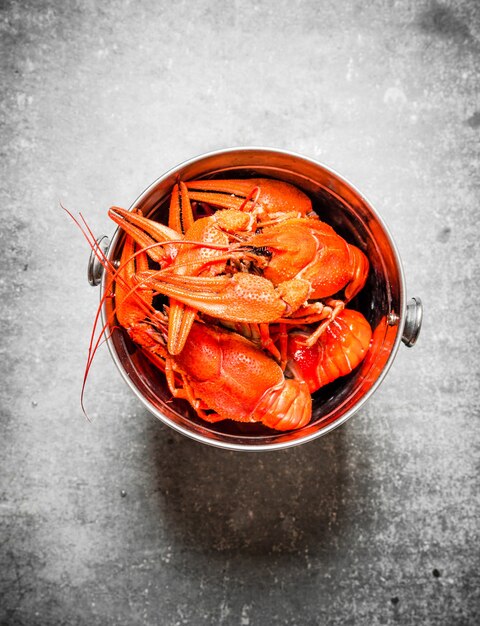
{"x": 255, "y": 286}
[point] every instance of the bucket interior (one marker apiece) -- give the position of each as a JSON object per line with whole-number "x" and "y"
{"x": 380, "y": 301}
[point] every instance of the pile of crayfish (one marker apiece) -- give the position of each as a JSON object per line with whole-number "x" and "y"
{"x": 241, "y": 300}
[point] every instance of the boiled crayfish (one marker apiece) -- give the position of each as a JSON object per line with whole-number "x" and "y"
{"x": 255, "y": 286}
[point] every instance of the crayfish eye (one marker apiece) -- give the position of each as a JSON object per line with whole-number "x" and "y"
{"x": 262, "y": 251}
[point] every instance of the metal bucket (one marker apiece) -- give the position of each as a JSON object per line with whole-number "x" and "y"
{"x": 382, "y": 301}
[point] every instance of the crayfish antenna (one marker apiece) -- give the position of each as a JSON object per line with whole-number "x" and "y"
{"x": 96, "y": 341}
{"x": 253, "y": 196}
{"x": 102, "y": 258}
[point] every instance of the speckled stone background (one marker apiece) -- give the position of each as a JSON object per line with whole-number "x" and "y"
{"x": 123, "y": 521}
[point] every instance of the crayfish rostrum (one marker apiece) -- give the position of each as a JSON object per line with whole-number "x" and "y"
{"x": 252, "y": 316}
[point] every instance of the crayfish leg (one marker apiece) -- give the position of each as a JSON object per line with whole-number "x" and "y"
{"x": 154, "y": 237}
{"x": 131, "y": 303}
{"x": 283, "y": 343}
{"x": 180, "y": 320}
{"x": 332, "y": 309}
{"x": 186, "y": 392}
{"x": 315, "y": 312}
{"x": 183, "y": 393}
{"x": 263, "y": 195}
{"x": 267, "y": 341}
{"x": 180, "y": 215}
{"x": 239, "y": 298}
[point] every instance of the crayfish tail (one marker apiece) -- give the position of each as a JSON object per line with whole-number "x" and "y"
{"x": 287, "y": 407}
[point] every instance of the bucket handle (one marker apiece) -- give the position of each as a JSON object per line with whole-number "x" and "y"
{"x": 95, "y": 268}
{"x": 413, "y": 322}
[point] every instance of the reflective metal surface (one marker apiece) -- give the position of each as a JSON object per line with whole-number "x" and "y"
{"x": 382, "y": 301}
{"x": 413, "y": 322}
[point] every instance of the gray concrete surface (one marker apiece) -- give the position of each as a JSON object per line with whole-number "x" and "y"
{"x": 122, "y": 521}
